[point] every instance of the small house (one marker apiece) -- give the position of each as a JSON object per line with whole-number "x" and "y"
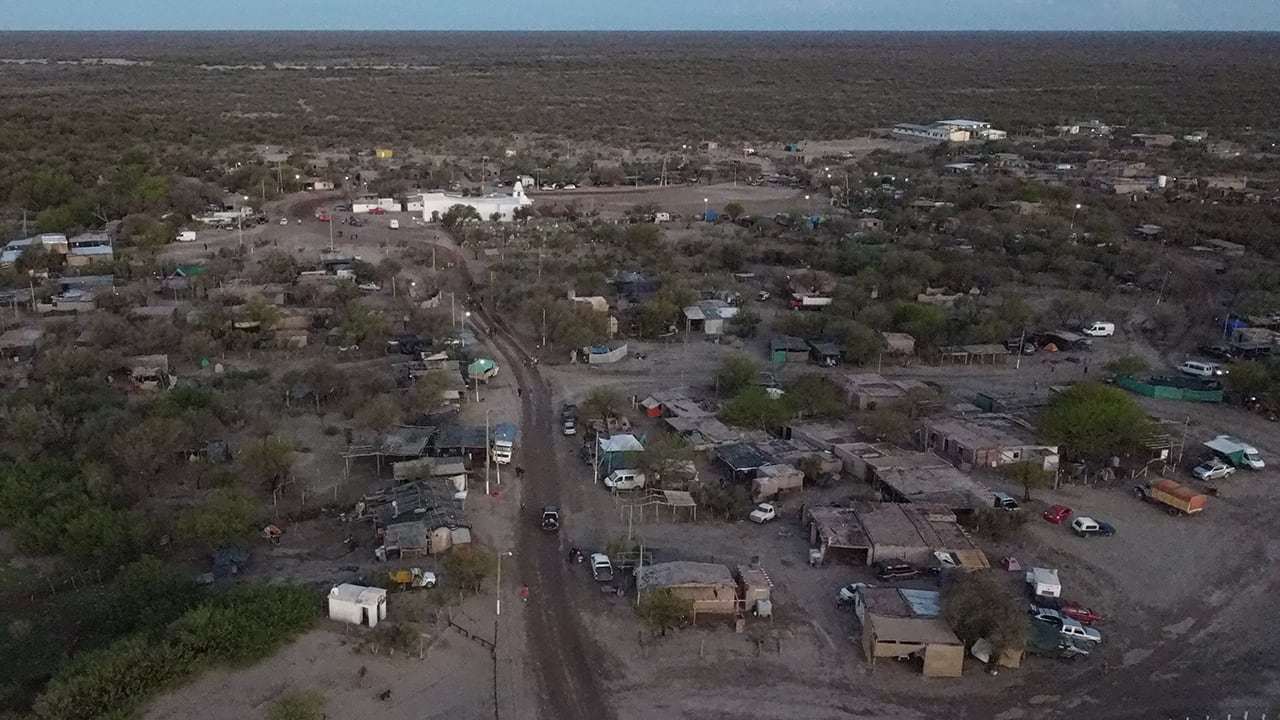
{"x": 824, "y": 352}
{"x": 357, "y": 604}
{"x": 708, "y": 316}
{"x": 784, "y": 348}
{"x": 709, "y": 587}
{"x": 899, "y": 343}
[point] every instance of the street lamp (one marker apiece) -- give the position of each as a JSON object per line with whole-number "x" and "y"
{"x": 497, "y": 598}
{"x": 1073, "y": 216}
{"x": 705, "y": 208}
{"x": 809, "y": 202}
{"x": 240, "y": 220}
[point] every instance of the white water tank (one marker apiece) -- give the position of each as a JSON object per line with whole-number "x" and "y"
{"x": 1162, "y": 181}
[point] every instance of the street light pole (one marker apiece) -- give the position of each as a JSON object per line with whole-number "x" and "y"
{"x": 1073, "y": 216}
{"x": 486, "y": 445}
{"x": 497, "y": 598}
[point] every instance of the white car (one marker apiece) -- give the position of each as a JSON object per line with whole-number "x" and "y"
{"x": 763, "y": 513}
{"x": 369, "y": 287}
{"x": 1212, "y": 470}
{"x": 570, "y": 186}
{"x": 601, "y": 568}
{"x": 1066, "y": 626}
{"x": 284, "y": 221}
{"x": 1196, "y": 368}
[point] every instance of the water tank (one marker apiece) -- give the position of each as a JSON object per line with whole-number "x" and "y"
{"x": 1162, "y": 181}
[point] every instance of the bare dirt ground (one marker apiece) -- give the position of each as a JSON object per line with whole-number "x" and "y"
{"x": 453, "y": 680}
{"x": 687, "y": 200}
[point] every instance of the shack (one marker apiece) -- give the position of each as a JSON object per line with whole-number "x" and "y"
{"x": 784, "y": 349}
{"x": 710, "y": 587}
{"x": 870, "y": 532}
{"x": 357, "y": 604}
{"x": 772, "y": 480}
{"x": 906, "y": 624}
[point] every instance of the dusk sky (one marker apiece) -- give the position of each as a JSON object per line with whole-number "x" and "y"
{"x": 643, "y": 15}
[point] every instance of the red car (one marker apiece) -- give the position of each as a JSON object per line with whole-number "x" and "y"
{"x": 1076, "y": 611}
{"x": 377, "y": 211}
{"x": 1057, "y": 514}
{"x": 322, "y": 217}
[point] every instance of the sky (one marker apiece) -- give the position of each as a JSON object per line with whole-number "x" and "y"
{"x": 1259, "y": 15}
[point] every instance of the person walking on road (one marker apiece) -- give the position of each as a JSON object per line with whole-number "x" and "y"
{"x": 524, "y": 593}
{"x": 519, "y": 391}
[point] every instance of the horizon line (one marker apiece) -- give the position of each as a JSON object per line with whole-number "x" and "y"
{"x": 655, "y": 31}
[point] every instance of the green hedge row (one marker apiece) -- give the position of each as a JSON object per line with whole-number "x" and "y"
{"x": 243, "y": 625}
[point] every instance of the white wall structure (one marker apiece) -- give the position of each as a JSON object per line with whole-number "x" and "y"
{"x": 505, "y": 205}
{"x": 930, "y": 132}
{"x": 357, "y": 604}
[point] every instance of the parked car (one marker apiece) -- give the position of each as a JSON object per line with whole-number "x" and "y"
{"x": 894, "y": 570}
{"x": 1212, "y": 470}
{"x": 377, "y": 211}
{"x": 601, "y": 568}
{"x": 570, "y": 186}
{"x": 763, "y": 295}
{"x": 1076, "y": 631}
{"x": 1057, "y": 514}
{"x": 763, "y": 513}
{"x": 1217, "y": 352}
{"x": 1005, "y": 501}
{"x": 284, "y": 221}
{"x": 1044, "y": 614}
{"x": 1085, "y": 526}
{"x": 1079, "y": 613}
{"x": 1099, "y": 329}
{"x": 1200, "y": 369}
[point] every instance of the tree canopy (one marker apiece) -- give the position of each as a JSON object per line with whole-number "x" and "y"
{"x": 1092, "y": 421}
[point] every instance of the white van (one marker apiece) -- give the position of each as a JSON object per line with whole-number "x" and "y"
{"x": 395, "y": 224}
{"x": 1196, "y": 368}
{"x": 187, "y": 236}
{"x": 1099, "y": 329}
{"x": 625, "y": 480}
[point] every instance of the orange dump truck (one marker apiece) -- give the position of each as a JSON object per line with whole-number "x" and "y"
{"x": 1177, "y": 499}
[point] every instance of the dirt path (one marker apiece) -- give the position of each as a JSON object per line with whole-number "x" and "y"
{"x": 564, "y": 660}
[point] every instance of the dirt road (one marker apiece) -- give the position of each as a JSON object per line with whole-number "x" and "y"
{"x": 566, "y": 662}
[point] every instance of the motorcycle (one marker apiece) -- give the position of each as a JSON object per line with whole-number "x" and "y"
{"x": 576, "y": 556}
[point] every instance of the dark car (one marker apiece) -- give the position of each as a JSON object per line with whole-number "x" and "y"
{"x": 550, "y": 518}
{"x": 889, "y": 571}
{"x": 1217, "y": 352}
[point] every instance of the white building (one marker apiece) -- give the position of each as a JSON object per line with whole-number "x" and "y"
{"x": 357, "y": 604}
{"x": 929, "y": 132}
{"x": 365, "y": 204}
{"x": 436, "y": 204}
{"x": 975, "y": 128}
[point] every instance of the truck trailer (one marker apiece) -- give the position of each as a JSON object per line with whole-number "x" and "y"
{"x": 504, "y": 443}
{"x": 1235, "y": 451}
{"x": 1176, "y": 498}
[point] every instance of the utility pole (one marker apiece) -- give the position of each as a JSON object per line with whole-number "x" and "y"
{"x": 486, "y": 443}
{"x": 544, "y": 327}
{"x": 1022, "y": 342}
{"x": 330, "y": 232}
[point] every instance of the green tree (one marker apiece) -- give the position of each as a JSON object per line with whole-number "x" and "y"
{"x": 663, "y": 610}
{"x": 269, "y": 460}
{"x": 469, "y": 565}
{"x": 977, "y": 606}
{"x": 298, "y": 705}
{"x": 1128, "y": 365}
{"x": 428, "y": 391}
{"x": 734, "y": 211}
{"x": 861, "y": 344}
{"x": 148, "y": 595}
{"x": 736, "y": 372}
{"x": 378, "y": 414}
{"x": 1250, "y": 379}
{"x": 816, "y": 395}
{"x": 458, "y": 215}
{"x": 891, "y": 423}
{"x": 745, "y": 323}
{"x": 226, "y": 519}
{"x": 1029, "y": 475}
{"x": 753, "y": 407}
{"x": 1093, "y": 422}
{"x": 664, "y": 459}
{"x": 603, "y": 401}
